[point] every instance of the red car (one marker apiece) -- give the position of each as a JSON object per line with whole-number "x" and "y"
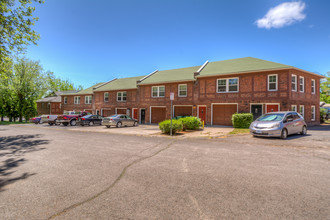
{"x": 70, "y": 118}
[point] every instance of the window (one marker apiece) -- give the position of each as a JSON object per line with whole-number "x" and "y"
{"x": 182, "y": 90}
{"x": 302, "y": 84}
{"x": 158, "y": 91}
{"x": 65, "y": 100}
{"x": 293, "y": 108}
{"x": 121, "y": 96}
{"x": 313, "y": 86}
{"x": 272, "y": 82}
{"x": 294, "y": 83}
{"x": 302, "y": 110}
{"x": 88, "y": 99}
{"x": 77, "y": 100}
{"x": 313, "y": 113}
{"x": 227, "y": 85}
{"x": 106, "y": 97}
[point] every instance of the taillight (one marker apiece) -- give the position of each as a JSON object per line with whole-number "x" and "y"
{"x": 83, "y": 119}
{"x": 33, "y": 118}
{"x": 48, "y": 116}
{"x": 64, "y": 118}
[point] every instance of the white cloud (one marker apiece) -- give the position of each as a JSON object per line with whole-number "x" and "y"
{"x": 282, "y": 15}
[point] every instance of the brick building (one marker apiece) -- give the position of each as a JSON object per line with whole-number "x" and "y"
{"x": 212, "y": 91}
{"x": 51, "y": 105}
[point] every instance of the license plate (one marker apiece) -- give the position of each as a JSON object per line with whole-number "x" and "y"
{"x": 258, "y": 132}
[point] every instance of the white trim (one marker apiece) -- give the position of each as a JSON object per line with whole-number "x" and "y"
{"x": 301, "y": 77}
{"x": 313, "y": 115}
{"x": 279, "y": 106}
{"x": 295, "y": 82}
{"x": 120, "y": 108}
{"x": 303, "y": 110}
{"x": 74, "y": 100}
{"x": 205, "y": 112}
{"x": 179, "y": 90}
{"x": 163, "y": 83}
{"x": 273, "y": 90}
{"x": 151, "y": 111}
{"x": 158, "y": 92}
{"x": 104, "y": 96}
{"x": 227, "y": 85}
{"x": 65, "y": 100}
{"x": 90, "y": 100}
{"x": 150, "y": 74}
{"x": 220, "y": 104}
{"x": 192, "y": 109}
{"x": 122, "y": 96}
{"x": 262, "y": 107}
{"x": 313, "y": 80}
{"x": 295, "y": 108}
{"x": 202, "y": 67}
{"x": 96, "y": 87}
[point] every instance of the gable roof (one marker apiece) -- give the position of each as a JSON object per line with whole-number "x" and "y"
{"x": 88, "y": 91}
{"x": 120, "y": 84}
{"x": 240, "y": 65}
{"x": 174, "y": 75}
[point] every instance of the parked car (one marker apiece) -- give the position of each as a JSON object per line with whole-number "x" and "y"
{"x": 279, "y": 124}
{"x": 70, "y": 117}
{"x": 50, "y": 119}
{"x": 35, "y": 120}
{"x": 119, "y": 121}
{"x": 90, "y": 120}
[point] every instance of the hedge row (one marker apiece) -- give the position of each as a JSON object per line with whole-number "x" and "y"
{"x": 242, "y": 120}
{"x": 182, "y": 124}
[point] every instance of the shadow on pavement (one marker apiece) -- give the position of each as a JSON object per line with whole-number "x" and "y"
{"x": 322, "y": 127}
{"x": 14, "y": 148}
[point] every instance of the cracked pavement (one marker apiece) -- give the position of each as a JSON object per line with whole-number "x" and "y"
{"x": 61, "y": 174}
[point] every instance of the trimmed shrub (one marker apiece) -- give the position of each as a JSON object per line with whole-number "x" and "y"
{"x": 242, "y": 120}
{"x": 191, "y": 123}
{"x": 323, "y": 114}
{"x": 165, "y": 126}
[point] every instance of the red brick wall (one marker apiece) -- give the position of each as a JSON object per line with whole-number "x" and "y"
{"x": 70, "y": 106}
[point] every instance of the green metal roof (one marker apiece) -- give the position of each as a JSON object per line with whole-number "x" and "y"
{"x": 246, "y": 64}
{"x": 120, "y": 84}
{"x": 175, "y": 75}
{"x": 87, "y": 91}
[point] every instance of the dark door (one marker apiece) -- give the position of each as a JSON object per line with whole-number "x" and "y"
{"x": 256, "y": 110}
{"x": 143, "y": 116}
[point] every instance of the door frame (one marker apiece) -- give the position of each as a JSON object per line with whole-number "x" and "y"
{"x": 150, "y": 122}
{"x": 205, "y": 111}
{"x": 279, "y": 106}
{"x": 140, "y": 115}
{"x": 221, "y": 104}
{"x": 192, "y": 109}
{"x": 262, "y": 107}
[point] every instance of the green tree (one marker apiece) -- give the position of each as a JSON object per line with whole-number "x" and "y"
{"x": 57, "y": 84}
{"x": 325, "y": 89}
{"x": 16, "y": 21}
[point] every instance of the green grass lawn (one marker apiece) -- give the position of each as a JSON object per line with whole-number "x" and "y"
{"x": 240, "y": 131}
{"x": 10, "y": 123}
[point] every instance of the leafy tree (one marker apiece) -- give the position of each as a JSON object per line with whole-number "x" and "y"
{"x": 325, "y": 89}
{"x": 57, "y": 84}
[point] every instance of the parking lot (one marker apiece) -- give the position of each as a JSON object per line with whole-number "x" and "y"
{"x": 67, "y": 173}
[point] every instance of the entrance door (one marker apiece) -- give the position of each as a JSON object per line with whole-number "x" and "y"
{"x": 272, "y": 108}
{"x": 143, "y": 115}
{"x": 135, "y": 113}
{"x": 202, "y": 113}
{"x": 256, "y": 111}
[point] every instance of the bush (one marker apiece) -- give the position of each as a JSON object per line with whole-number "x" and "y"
{"x": 242, "y": 120}
{"x": 165, "y": 126}
{"x": 191, "y": 123}
{"x": 323, "y": 114}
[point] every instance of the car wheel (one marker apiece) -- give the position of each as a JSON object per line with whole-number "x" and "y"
{"x": 304, "y": 130}
{"x": 119, "y": 124}
{"x": 50, "y": 124}
{"x": 81, "y": 124}
{"x": 135, "y": 124}
{"x": 73, "y": 123}
{"x": 284, "y": 134}
{"x": 55, "y": 122}
{"x": 90, "y": 123}
{"x": 36, "y": 123}
{"x": 65, "y": 123}
{"x": 108, "y": 126}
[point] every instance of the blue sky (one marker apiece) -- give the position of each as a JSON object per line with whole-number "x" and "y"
{"x": 95, "y": 41}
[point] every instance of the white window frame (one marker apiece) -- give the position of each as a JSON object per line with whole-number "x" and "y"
{"x": 65, "y": 100}
{"x": 182, "y": 90}
{"x": 227, "y": 85}
{"x": 313, "y": 112}
{"x": 295, "y": 82}
{"x": 295, "y": 108}
{"x": 107, "y": 97}
{"x": 88, "y": 99}
{"x": 152, "y": 94}
{"x": 302, "y": 110}
{"x": 121, "y": 96}
{"x": 313, "y": 86}
{"x": 77, "y": 102}
{"x": 302, "y": 84}
{"x": 276, "y": 83}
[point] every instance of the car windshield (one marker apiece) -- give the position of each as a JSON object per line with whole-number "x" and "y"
{"x": 87, "y": 116}
{"x": 113, "y": 116}
{"x": 271, "y": 117}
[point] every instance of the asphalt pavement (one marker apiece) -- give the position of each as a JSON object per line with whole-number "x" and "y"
{"x": 67, "y": 174}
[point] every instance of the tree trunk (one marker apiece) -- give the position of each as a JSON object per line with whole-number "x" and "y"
{"x": 20, "y": 118}
{"x": 2, "y": 118}
{"x": 10, "y": 119}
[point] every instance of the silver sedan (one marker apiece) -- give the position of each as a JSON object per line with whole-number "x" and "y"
{"x": 279, "y": 124}
{"x": 119, "y": 121}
